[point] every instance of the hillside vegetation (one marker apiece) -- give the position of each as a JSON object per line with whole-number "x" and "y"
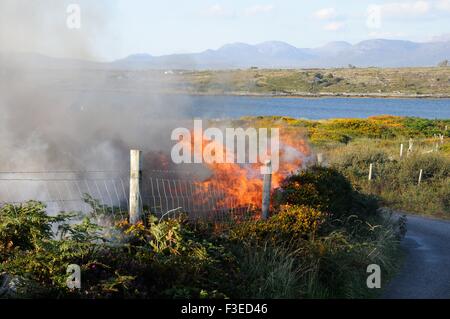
{"x": 351, "y": 81}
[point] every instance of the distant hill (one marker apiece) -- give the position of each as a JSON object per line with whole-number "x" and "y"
{"x": 36, "y": 60}
{"x": 272, "y": 54}
{"x": 275, "y": 54}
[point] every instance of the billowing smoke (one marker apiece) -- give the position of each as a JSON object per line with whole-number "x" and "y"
{"x": 50, "y": 128}
{"x": 64, "y": 114}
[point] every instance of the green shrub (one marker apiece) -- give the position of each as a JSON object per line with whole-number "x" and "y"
{"x": 290, "y": 224}
{"x": 425, "y": 127}
{"x": 21, "y": 226}
{"x": 360, "y": 128}
{"x": 320, "y": 136}
{"x": 290, "y": 255}
{"x": 341, "y": 263}
{"x": 269, "y": 272}
{"x": 162, "y": 259}
{"x": 322, "y": 188}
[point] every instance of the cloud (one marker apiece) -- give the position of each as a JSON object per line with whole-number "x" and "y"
{"x": 406, "y": 8}
{"x": 334, "y": 26}
{"x": 443, "y": 5}
{"x": 413, "y": 8}
{"x": 334, "y": 22}
{"x": 325, "y": 13}
{"x": 377, "y": 13}
{"x": 218, "y": 11}
{"x": 258, "y": 9}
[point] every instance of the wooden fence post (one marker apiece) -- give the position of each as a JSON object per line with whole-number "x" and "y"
{"x": 420, "y": 177}
{"x": 135, "y": 186}
{"x": 267, "y": 185}
{"x": 401, "y": 151}
{"x": 370, "y": 171}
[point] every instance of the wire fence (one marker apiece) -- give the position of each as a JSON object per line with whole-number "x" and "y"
{"x": 161, "y": 192}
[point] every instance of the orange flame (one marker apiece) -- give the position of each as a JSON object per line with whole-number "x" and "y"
{"x": 241, "y": 185}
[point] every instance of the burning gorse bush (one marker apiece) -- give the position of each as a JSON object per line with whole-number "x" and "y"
{"x": 299, "y": 252}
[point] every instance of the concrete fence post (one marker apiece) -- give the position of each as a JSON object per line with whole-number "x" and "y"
{"x": 370, "y": 171}
{"x": 135, "y": 186}
{"x": 420, "y": 177}
{"x": 319, "y": 159}
{"x": 401, "y": 151}
{"x": 410, "y": 146}
{"x": 267, "y": 185}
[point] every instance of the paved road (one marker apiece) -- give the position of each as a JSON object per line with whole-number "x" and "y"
{"x": 426, "y": 270}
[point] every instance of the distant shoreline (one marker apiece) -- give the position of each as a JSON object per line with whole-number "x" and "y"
{"x": 281, "y": 95}
{"x": 326, "y": 95}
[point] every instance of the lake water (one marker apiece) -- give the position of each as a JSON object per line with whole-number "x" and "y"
{"x": 315, "y": 108}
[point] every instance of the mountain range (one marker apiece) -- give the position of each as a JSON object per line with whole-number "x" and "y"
{"x": 276, "y": 54}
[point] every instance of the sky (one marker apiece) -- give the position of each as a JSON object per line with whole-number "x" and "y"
{"x": 112, "y": 29}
